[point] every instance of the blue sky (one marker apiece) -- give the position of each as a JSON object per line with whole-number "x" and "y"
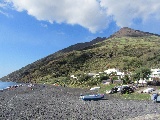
{"x": 33, "y": 29}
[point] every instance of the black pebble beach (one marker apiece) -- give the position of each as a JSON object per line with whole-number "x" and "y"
{"x": 47, "y": 102}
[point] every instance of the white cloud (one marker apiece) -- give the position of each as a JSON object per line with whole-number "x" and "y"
{"x": 2, "y": 7}
{"x": 94, "y": 15}
{"x": 124, "y": 12}
{"x": 44, "y": 25}
{"x": 3, "y": 13}
{"x": 86, "y": 13}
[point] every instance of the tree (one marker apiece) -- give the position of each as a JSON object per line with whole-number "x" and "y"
{"x": 145, "y": 72}
{"x": 83, "y": 78}
{"x": 126, "y": 79}
{"x": 142, "y": 72}
{"x": 136, "y": 75}
{"x": 103, "y": 77}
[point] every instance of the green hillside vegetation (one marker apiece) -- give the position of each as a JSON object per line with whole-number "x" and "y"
{"x": 125, "y": 53}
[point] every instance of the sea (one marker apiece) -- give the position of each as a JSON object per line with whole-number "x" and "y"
{"x": 4, "y": 85}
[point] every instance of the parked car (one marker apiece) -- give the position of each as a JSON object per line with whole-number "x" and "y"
{"x": 152, "y": 96}
{"x": 127, "y": 89}
{"x": 158, "y": 99}
{"x": 148, "y": 90}
{"x": 123, "y": 89}
{"x": 114, "y": 90}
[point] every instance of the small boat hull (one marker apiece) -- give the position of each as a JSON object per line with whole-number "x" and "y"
{"x": 92, "y": 97}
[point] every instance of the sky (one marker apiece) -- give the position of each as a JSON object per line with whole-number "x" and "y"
{"x": 33, "y": 29}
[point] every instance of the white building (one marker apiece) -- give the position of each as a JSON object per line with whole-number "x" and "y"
{"x": 118, "y": 73}
{"x": 74, "y": 77}
{"x": 155, "y": 73}
{"x": 111, "y": 70}
{"x": 93, "y": 74}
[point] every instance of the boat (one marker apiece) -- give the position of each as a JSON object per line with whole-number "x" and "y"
{"x": 92, "y": 97}
{"x": 95, "y": 88}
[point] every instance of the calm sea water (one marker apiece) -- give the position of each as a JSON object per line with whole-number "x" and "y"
{"x": 4, "y": 85}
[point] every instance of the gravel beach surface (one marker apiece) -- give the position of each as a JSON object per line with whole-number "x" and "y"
{"x": 46, "y": 102}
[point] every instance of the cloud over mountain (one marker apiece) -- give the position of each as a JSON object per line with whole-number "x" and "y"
{"x": 126, "y": 12}
{"x": 94, "y": 15}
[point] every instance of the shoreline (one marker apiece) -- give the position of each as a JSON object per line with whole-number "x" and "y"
{"x": 57, "y": 102}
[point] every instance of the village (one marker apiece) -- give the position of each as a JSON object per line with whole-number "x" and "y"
{"x": 155, "y": 74}
{"x": 142, "y": 86}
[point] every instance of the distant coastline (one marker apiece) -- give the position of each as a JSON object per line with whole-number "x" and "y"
{"x": 4, "y": 85}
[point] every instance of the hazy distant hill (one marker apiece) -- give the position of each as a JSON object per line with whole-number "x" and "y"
{"x": 127, "y": 49}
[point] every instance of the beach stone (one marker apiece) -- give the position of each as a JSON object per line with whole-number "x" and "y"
{"x": 62, "y": 103}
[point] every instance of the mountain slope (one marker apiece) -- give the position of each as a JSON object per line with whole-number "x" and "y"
{"x": 128, "y": 32}
{"x": 26, "y": 71}
{"x": 80, "y": 46}
{"x": 124, "y": 50}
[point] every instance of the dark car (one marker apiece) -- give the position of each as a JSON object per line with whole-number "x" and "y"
{"x": 127, "y": 89}
{"x": 114, "y": 90}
